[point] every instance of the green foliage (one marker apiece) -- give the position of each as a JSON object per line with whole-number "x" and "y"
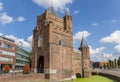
{"x": 112, "y": 64}
{"x": 26, "y": 69}
{"x": 115, "y": 61}
{"x": 118, "y": 61}
{"x": 6, "y": 68}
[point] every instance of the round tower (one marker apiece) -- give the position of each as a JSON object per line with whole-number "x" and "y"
{"x": 86, "y": 70}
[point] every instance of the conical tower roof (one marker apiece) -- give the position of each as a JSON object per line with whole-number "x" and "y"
{"x": 83, "y": 43}
{"x": 51, "y": 10}
{"x": 67, "y": 12}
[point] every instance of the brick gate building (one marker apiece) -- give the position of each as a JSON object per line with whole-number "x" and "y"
{"x": 53, "y": 52}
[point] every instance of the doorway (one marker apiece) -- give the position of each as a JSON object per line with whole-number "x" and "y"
{"x": 41, "y": 64}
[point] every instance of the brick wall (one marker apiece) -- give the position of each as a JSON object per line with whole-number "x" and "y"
{"x": 21, "y": 78}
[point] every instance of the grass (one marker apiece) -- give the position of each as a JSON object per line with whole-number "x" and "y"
{"x": 94, "y": 78}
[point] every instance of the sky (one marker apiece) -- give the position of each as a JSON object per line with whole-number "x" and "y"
{"x": 98, "y": 20}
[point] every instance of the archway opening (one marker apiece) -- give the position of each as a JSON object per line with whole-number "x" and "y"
{"x": 78, "y": 75}
{"x": 41, "y": 64}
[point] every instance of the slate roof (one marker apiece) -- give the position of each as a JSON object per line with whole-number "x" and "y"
{"x": 51, "y": 10}
{"x": 83, "y": 43}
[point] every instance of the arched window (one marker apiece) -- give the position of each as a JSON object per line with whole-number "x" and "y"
{"x": 60, "y": 42}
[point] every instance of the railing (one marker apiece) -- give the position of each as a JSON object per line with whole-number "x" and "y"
{"x": 114, "y": 72}
{"x": 22, "y": 53}
{"x": 23, "y": 59}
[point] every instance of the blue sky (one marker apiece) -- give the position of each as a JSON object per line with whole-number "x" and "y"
{"x": 99, "y": 20}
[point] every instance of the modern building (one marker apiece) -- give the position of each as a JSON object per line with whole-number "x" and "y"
{"x": 101, "y": 65}
{"x": 52, "y": 48}
{"x": 11, "y": 54}
{"x": 22, "y": 58}
{"x": 7, "y": 52}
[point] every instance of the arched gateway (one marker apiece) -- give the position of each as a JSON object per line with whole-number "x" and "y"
{"x": 40, "y": 64}
{"x": 52, "y": 48}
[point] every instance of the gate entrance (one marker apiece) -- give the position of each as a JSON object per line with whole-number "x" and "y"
{"x": 41, "y": 64}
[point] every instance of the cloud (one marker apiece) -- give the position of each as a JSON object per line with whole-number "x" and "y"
{"x": 94, "y": 24}
{"x": 80, "y": 34}
{"x": 1, "y": 6}
{"x": 21, "y": 19}
{"x": 20, "y": 41}
{"x": 117, "y": 48}
{"x": 1, "y": 34}
{"x": 112, "y": 38}
{"x": 30, "y": 39}
{"x": 96, "y": 51}
{"x": 108, "y": 56}
{"x": 5, "y": 19}
{"x": 102, "y": 57}
{"x": 75, "y": 12}
{"x": 98, "y": 55}
{"x": 57, "y": 4}
{"x": 114, "y": 21}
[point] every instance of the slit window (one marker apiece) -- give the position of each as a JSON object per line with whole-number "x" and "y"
{"x": 60, "y": 42}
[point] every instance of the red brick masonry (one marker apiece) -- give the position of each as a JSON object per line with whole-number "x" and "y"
{"x": 21, "y": 78}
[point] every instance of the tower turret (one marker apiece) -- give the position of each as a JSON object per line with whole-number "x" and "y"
{"x": 86, "y": 71}
{"x": 68, "y": 21}
{"x": 51, "y": 10}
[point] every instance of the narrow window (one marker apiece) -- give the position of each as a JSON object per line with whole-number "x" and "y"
{"x": 40, "y": 40}
{"x": 60, "y": 42}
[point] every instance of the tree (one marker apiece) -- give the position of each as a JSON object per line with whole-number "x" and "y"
{"x": 6, "y": 68}
{"x": 26, "y": 69}
{"x": 118, "y": 62}
{"x": 104, "y": 66}
{"x": 111, "y": 62}
{"x": 115, "y": 63}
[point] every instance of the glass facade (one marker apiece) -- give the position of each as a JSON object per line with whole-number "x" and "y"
{"x": 22, "y": 58}
{"x": 6, "y": 59}
{"x": 7, "y": 53}
{"x": 8, "y": 46}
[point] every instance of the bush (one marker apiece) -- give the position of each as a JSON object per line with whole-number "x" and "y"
{"x": 26, "y": 69}
{"x": 6, "y": 68}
